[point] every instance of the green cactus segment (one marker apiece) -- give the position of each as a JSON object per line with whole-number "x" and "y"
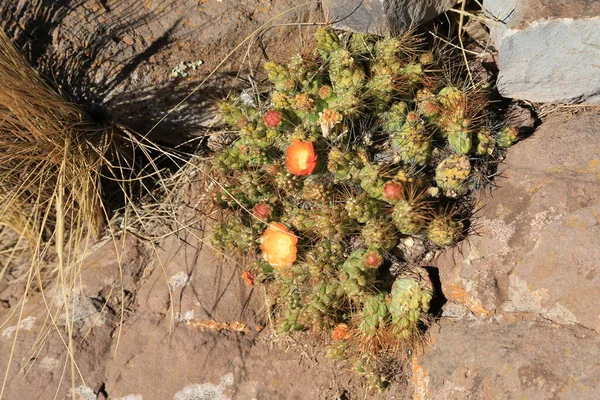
{"x": 411, "y": 143}
{"x": 443, "y": 231}
{"x": 344, "y": 72}
{"x": 280, "y": 77}
{"x": 393, "y": 119}
{"x": 233, "y": 236}
{"x": 375, "y": 313}
{"x": 343, "y": 164}
{"x": 291, "y": 320}
{"x": 459, "y": 136}
{"x": 371, "y": 181}
{"x": 485, "y": 143}
{"x": 379, "y": 234}
{"x": 452, "y": 173}
{"x": 325, "y": 302}
{"x": 410, "y": 300}
{"x": 363, "y": 208}
{"x": 507, "y": 137}
{"x": 327, "y": 42}
{"x": 316, "y": 190}
{"x": 408, "y": 217}
{"x": 355, "y": 276}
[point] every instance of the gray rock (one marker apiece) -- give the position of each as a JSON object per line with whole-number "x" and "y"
{"x": 521, "y": 359}
{"x": 383, "y": 17}
{"x": 548, "y": 51}
{"x": 539, "y": 233}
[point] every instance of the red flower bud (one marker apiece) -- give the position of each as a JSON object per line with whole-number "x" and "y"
{"x": 392, "y": 191}
{"x": 272, "y": 118}
{"x": 262, "y": 211}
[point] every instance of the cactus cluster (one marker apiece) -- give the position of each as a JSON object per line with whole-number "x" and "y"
{"x": 355, "y": 147}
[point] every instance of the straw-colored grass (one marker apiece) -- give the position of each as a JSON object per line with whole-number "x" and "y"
{"x": 53, "y": 163}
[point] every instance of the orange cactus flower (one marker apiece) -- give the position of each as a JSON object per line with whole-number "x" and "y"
{"x": 278, "y": 245}
{"x": 300, "y": 158}
{"x": 341, "y": 332}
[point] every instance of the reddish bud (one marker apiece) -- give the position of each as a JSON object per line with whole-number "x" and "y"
{"x": 392, "y": 191}
{"x": 373, "y": 259}
{"x": 272, "y": 118}
{"x": 262, "y": 211}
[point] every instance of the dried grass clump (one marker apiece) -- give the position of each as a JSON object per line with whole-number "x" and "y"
{"x": 54, "y": 163}
{"x": 51, "y": 156}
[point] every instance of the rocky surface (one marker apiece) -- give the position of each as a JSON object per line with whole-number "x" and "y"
{"x": 488, "y": 359}
{"x": 383, "y": 17}
{"x": 548, "y": 51}
{"x": 522, "y": 312}
{"x": 161, "y": 338}
{"x": 132, "y": 61}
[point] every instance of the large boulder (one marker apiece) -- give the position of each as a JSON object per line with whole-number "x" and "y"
{"x": 472, "y": 359}
{"x": 521, "y": 317}
{"x": 383, "y": 17}
{"x": 538, "y": 246}
{"x": 548, "y": 51}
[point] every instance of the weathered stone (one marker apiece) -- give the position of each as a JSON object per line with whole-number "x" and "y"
{"x": 539, "y": 242}
{"x": 500, "y": 360}
{"x": 548, "y": 51}
{"x": 383, "y": 17}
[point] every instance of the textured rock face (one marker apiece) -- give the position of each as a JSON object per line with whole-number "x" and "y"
{"x": 522, "y": 313}
{"x": 548, "y": 51}
{"x": 383, "y": 16}
{"x": 500, "y": 360}
{"x": 539, "y": 242}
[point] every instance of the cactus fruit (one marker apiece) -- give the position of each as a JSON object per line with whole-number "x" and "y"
{"x": 373, "y": 258}
{"x": 393, "y": 192}
{"x": 410, "y": 299}
{"x": 444, "y": 231}
{"x": 341, "y": 332}
{"x": 452, "y": 173}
